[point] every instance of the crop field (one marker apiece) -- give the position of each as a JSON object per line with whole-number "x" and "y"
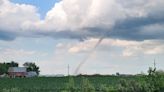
{"x": 59, "y": 84}
{"x": 51, "y": 84}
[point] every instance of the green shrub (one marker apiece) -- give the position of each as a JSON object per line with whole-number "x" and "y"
{"x": 86, "y": 86}
{"x": 134, "y": 86}
{"x": 104, "y": 88}
{"x": 153, "y": 82}
{"x": 70, "y": 86}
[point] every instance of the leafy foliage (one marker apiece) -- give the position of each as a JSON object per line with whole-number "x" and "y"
{"x": 153, "y": 82}
{"x": 70, "y": 86}
{"x": 86, "y": 86}
{"x": 31, "y": 67}
{"x": 5, "y": 66}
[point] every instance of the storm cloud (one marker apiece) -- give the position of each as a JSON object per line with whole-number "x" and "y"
{"x": 83, "y": 19}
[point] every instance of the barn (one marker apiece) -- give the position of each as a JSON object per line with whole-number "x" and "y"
{"x": 17, "y": 72}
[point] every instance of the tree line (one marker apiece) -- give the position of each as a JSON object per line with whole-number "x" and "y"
{"x": 30, "y": 66}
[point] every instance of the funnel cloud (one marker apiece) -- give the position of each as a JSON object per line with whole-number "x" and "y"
{"x": 128, "y": 32}
{"x": 88, "y": 56}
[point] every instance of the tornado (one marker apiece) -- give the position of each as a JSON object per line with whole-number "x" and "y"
{"x": 88, "y": 56}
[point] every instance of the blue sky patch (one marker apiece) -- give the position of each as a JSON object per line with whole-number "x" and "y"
{"x": 43, "y": 5}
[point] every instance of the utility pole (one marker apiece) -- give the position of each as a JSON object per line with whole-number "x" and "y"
{"x": 68, "y": 69}
{"x": 154, "y": 64}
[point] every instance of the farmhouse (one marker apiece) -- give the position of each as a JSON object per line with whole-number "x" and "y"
{"x": 17, "y": 72}
{"x": 20, "y": 72}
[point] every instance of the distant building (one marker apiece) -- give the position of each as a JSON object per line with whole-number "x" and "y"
{"x": 3, "y": 75}
{"x": 31, "y": 74}
{"x": 17, "y": 72}
{"x": 59, "y": 75}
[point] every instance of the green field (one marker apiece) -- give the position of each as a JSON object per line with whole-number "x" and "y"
{"x": 54, "y": 83}
{"x": 59, "y": 84}
{"x": 99, "y": 83}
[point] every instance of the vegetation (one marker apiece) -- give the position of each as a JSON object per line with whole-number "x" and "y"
{"x": 29, "y": 65}
{"x": 5, "y": 66}
{"x": 152, "y": 82}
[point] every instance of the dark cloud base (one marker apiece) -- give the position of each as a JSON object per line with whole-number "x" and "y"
{"x": 7, "y": 36}
{"x": 130, "y": 28}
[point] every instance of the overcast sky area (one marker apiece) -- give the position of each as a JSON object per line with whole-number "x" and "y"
{"x": 55, "y": 33}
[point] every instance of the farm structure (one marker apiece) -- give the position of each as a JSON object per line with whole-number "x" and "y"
{"x": 17, "y": 72}
{"x": 20, "y": 72}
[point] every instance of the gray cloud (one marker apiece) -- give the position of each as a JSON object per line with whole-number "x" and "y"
{"x": 130, "y": 20}
{"x": 8, "y": 36}
{"x": 132, "y": 28}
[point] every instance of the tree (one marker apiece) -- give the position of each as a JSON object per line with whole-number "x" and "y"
{"x": 5, "y": 66}
{"x": 151, "y": 71}
{"x": 117, "y": 73}
{"x": 155, "y": 79}
{"x": 12, "y": 64}
{"x": 31, "y": 67}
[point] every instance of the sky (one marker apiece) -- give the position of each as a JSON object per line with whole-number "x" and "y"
{"x": 109, "y": 36}
{"x": 43, "y": 6}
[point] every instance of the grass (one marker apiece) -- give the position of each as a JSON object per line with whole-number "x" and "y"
{"x": 55, "y": 84}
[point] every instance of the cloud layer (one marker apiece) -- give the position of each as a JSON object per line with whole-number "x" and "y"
{"x": 126, "y": 48}
{"x": 83, "y": 19}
